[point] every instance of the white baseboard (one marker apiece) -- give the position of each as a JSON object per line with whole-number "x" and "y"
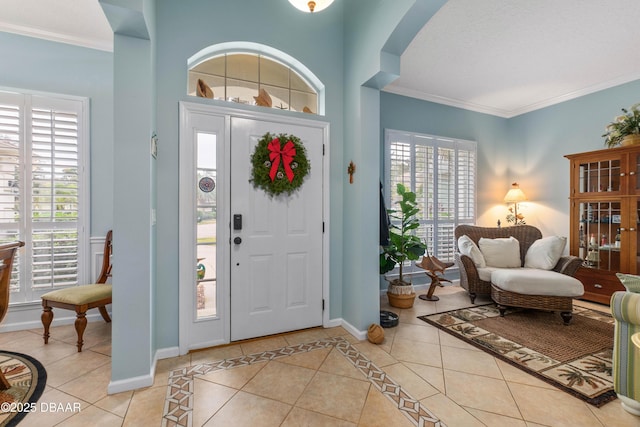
{"x": 143, "y": 380}
{"x": 360, "y": 335}
{"x": 333, "y": 323}
{"x": 132, "y": 383}
{"x": 166, "y": 353}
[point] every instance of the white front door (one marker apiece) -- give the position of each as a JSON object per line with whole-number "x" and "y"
{"x": 277, "y": 250}
{"x": 275, "y": 279}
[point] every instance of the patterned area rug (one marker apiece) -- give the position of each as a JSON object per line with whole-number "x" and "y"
{"x": 574, "y": 358}
{"x": 27, "y": 377}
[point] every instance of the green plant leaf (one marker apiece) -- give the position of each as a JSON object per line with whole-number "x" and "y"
{"x": 386, "y": 264}
{"x": 403, "y": 244}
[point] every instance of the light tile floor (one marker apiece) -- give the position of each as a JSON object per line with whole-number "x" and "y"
{"x": 425, "y": 370}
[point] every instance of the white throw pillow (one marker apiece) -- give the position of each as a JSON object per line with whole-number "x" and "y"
{"x": 502, "y": 252}
{"x": 544, "y": 253}
{"x": 468, "y": 247}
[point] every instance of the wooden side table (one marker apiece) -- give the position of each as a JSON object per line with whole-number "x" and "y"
{"x": 432, "y": 267}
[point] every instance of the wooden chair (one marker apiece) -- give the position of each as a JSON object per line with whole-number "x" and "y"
{"x": 7, "y": 255}
{"x": 81, "y": 298}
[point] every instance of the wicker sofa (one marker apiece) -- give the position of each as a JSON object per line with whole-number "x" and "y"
{"x": 471, "y": 280}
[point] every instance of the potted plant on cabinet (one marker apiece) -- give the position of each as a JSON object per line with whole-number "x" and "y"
{"x": 403, "y": 246}
{"x": 625, "y": 129}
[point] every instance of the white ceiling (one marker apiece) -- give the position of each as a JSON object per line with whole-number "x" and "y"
{"x": 508, "y": 57}
{"x": 501, "y": 57}
{"x": 79, "y": 22}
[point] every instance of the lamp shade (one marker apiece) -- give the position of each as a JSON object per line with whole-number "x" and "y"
{"x": 311, "y": 5}
{"x": 515, "y": 194}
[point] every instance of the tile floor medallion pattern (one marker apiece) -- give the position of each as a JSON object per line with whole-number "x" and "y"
{"x": 178, "y": 408}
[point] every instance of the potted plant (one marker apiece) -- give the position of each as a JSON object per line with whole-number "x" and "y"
{"x": 403, "y": 246}
{"x": 625, "y": 129}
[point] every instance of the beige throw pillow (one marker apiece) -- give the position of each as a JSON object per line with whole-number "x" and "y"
{"x": 544, "y": 253}
{"x": 501, "y": 253}
{"x": 468, "y": 247}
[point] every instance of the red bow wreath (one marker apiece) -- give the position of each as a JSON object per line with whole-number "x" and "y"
{"x": 287, "y": 153}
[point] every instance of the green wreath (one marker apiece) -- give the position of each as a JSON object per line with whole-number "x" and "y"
{"x": 279, "y": 164}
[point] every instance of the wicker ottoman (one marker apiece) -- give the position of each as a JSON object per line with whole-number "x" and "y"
{"x": 537, "y": 289}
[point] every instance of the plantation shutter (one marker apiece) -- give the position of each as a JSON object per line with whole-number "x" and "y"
{"x": 442, "y": 173}
{"x": 54, "y": 197}
{"x": 42, "y": 190}
{"x": 10, "y": 198}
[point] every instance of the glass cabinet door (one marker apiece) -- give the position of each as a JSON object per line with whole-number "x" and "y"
{"x": 599, "y": 234}
{"x": 600, "y": 176}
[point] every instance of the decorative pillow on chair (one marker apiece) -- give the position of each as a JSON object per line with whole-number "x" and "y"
{"x": 502, "y": 252}
{"x": 544, "y": 253}
{"x": 468, "y": 247}
{"x": 630, "y": 282}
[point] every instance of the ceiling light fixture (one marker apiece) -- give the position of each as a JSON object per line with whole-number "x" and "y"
{"x": 311, "y": 5}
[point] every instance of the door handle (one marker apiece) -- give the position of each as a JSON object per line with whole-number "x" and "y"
{"x": 237, "y": 240}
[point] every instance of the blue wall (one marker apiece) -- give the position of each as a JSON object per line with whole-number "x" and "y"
{"x": 529, "y": 148}
{"x": 36, "y": 65}
{"x": 541, "y": 138}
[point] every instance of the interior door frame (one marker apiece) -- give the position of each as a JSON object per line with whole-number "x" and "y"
{"x": 186, "y": 236}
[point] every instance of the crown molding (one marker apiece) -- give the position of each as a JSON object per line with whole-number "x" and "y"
{"x": 398, "y": 90}
{"x": 507, "y": 114}
{"x": 576, "y": 94}
{"x": 95, "y": 43}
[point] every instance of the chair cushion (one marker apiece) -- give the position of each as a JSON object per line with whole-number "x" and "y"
{"x": 485, "y": 273}
{"x": 630, "y": 282}
{"x": 468, "y": 247}
{"x": 545, "y": 253}
{"x": 78, "y": 295}
{"x": 533, "y": 281}
{"x": 501, "y": 252}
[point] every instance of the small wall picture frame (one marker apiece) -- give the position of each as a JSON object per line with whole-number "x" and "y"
{"x": 615, "y": 219}
{"x": 154, "y": 146}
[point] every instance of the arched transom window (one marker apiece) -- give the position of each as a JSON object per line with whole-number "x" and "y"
{"x": 254, "y": 79}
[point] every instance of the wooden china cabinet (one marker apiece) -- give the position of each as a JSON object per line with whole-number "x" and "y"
{"x": 605, "y": 218}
